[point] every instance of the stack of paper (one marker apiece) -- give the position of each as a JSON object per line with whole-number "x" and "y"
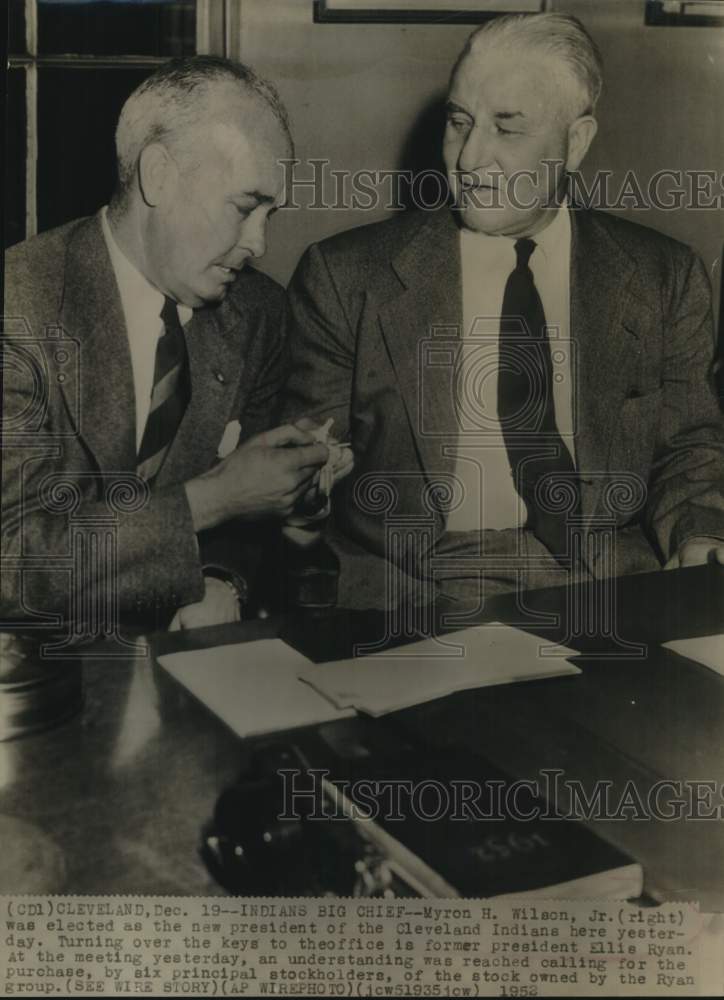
{"x": 253, "y": 686}
{"x": 706, "y": 649}
{"x": 422, "y": 671}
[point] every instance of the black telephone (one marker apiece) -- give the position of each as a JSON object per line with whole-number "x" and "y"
{"x": 250, "y": 850}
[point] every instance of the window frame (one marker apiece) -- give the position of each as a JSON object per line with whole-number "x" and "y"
{"x": 212, "y": 25}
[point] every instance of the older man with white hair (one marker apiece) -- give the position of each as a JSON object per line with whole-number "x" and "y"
{"x": 524, "y": 381}
{"x": 143, "y": 346}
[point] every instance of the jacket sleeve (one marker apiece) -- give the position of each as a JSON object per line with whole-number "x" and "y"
{"x": 686, "y": 485}
{"x": 235, "y": 549}
{"x": 321, "y": 348}
{"x": 74, "y": 539}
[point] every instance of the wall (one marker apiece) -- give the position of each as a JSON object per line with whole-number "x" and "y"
{"x": 662, "y": 107}
{"x": 354, "y": 93}
{"x": 361, "y": 95}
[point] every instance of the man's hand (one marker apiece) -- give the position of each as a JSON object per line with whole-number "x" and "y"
{"x": 218, "y": 606}
{"x": 341, "y": 458}
{"x": 696, "y": 552}
{"x": 339, "y": 464}
{"x": 264, "y": 477}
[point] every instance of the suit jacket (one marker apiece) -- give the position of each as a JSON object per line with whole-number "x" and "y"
{"x": 68, "y": 409}
{"x": 375, "y": 312}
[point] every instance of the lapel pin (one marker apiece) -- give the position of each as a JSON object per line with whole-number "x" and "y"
{"x": 219, "y": 376}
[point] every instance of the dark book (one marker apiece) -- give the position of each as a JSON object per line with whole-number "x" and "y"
{"x": 450, "y": 824}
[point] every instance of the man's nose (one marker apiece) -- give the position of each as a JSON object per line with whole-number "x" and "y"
{"x": 478, "y": 151}
{"x": 253, "y": 236}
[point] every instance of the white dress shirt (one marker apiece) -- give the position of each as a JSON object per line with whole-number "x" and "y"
{"x": 142, "y": 305}
{"x": 482, "y": 466}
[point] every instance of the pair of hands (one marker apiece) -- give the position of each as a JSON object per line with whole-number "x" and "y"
{"x": 267, "y": 476}
{"x": 281, "y": 467}
{"x": 264, "y": 477}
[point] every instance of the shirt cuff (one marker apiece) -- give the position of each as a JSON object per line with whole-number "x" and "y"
{"x": 234, "y": 581}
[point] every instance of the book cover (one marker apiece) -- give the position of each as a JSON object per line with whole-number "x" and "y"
{"x": 453, "y": 824}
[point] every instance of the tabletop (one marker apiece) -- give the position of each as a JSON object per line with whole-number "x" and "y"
{"x": 114, "y": 800}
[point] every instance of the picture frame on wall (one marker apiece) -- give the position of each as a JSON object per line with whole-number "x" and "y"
{"x": 419, "y": 11}
{"x": 684, "y": 13}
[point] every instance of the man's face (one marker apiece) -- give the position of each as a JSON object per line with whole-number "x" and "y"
{"x": 504, "y": 116}
{"x": 213, "y": 210}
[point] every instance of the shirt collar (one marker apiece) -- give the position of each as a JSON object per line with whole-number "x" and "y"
{"x": 556, "y": 237}
{"x": 551, "y": 241}
{"x": 138, "y": 295}
{"x": 490, "y": 251}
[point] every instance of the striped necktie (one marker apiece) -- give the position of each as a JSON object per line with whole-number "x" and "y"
{"x": 536, "y": 450}
{"x": 170, "y": 395}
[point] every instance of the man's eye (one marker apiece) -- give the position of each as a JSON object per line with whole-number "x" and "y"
{"x": 505, "y": 131}
{"x": 459, "y": 123}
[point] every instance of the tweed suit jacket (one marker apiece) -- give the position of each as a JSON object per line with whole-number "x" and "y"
{"x": 367, "y": 304}
{"x": 69, "y": 415}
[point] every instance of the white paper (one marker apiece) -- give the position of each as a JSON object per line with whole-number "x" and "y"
{"x": 422, "y": 671}
{"x": 253, "y": 686}
{"x": 706, "y": 649}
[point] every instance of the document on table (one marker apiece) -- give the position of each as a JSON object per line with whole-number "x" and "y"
{"x": 253, "y": 686}
{"x": 706, "y": 649}
{"x": 422, "y": 671}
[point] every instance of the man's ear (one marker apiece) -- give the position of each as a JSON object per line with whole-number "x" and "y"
{"x": 155, "y": 170}
{"x": 580, "y": 136}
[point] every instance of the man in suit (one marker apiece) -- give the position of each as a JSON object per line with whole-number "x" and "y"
{"x": 525, "y": 384}
{"x": 140, "y": 351}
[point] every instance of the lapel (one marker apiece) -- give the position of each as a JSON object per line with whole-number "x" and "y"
{"x": 217, "y": 340}
{"x": 91, "y": 313}
{"x": 426, "y": 306}
{"x": 603, "y": 330}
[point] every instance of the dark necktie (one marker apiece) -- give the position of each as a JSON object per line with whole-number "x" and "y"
{"x": 170, "y": 395}
{"x": 538, "y": 457}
